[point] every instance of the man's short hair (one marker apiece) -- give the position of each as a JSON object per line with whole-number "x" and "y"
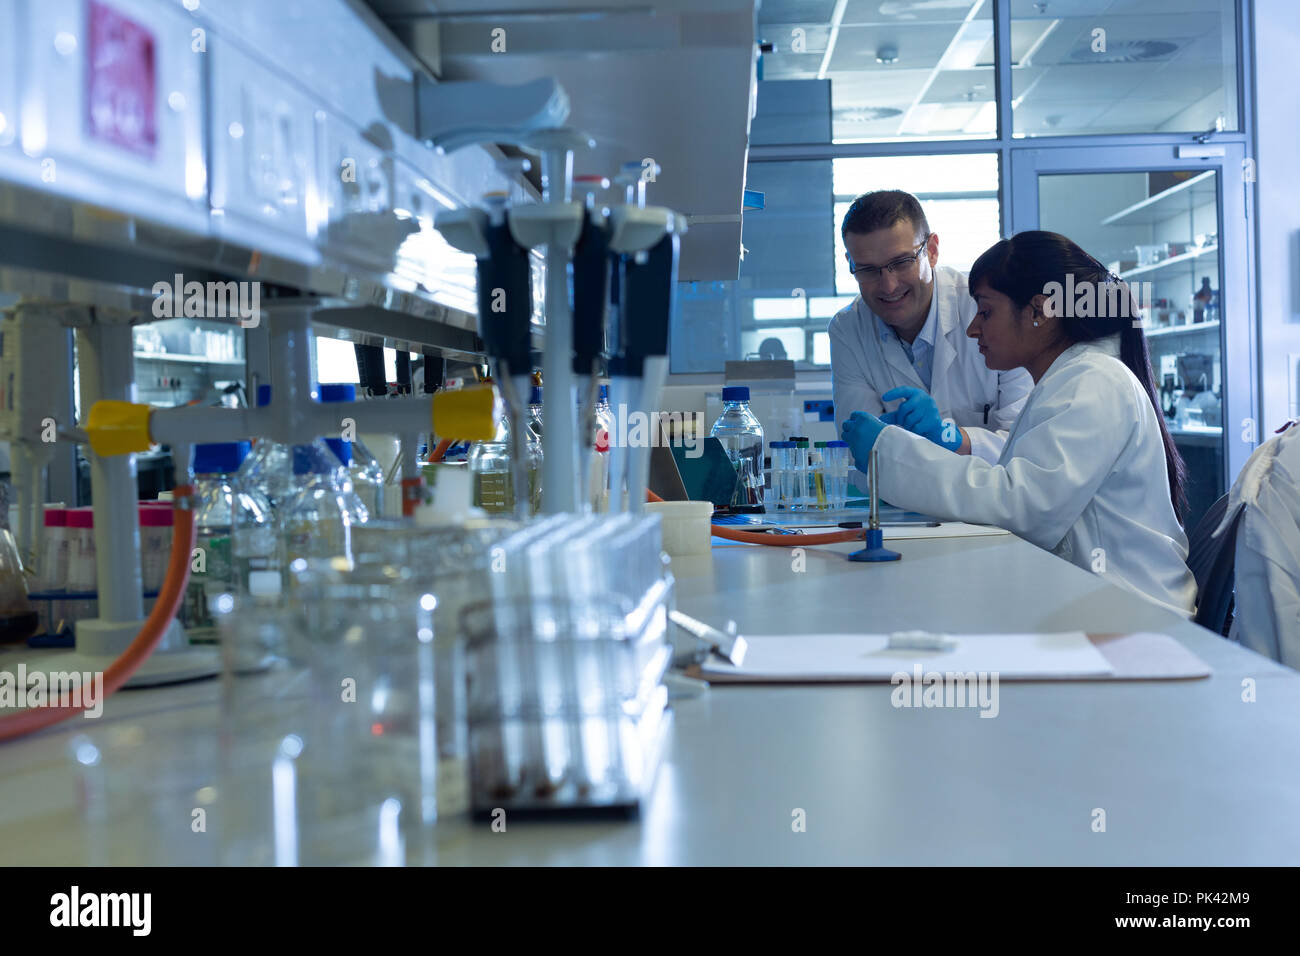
{"x": 881, "y": 210}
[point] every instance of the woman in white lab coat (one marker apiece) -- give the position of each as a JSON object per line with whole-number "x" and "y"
{"x": 1089, "y": 471}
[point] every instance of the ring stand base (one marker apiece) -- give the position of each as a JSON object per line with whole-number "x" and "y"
{"x": 875, "y": 549}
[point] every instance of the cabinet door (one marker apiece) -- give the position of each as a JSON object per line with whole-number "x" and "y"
{"x": 1176, "y": 232}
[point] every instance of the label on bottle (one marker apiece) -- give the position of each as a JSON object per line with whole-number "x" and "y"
{"x": 492, "y": 492}
{"x": 210, "y": 574}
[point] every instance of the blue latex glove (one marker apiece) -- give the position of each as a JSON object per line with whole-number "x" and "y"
{"x": 920, "y": 415}
{"x": 861, "y": 431}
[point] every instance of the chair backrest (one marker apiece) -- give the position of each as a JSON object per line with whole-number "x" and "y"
{"x": 1211, "y": 562}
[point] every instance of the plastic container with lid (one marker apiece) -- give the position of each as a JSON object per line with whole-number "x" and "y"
{"x": 686, "y": 526}
{"x": 81, "y": 549}
{"x": 155, "y": 544}
{"x": 741, "y": 436}
{"x": 52, "y": 568}
{"x": 82, "y": 574}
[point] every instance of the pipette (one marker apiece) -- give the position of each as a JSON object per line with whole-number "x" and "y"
{"x": 647, "y": 299}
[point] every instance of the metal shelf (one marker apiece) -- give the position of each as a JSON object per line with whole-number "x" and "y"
{"x": 188, "y": 359}
{"x": 1183, "y": 329}
{"x": 1171, "y": 261}
{"x": 1197, "y": 190}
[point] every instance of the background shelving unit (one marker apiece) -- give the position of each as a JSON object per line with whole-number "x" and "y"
{"x": 1186, "y": 215}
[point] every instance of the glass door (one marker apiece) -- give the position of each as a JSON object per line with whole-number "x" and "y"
{"x": 1175, "y": 229}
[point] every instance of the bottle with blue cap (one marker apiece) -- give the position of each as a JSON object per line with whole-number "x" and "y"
{"x": 741, "y": 436}
{"x": 363, "y": 467}
{"x": 235, "y": 537}
{"x": 318, "y": 520}
{"x": 269, "y": 466}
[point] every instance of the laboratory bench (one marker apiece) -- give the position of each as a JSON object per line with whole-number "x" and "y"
{"x": 1187, "y": 771}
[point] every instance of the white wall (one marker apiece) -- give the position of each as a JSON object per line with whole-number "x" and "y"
{"x": 1277, "y": 137}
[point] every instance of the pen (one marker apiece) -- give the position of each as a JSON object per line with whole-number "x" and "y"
{"x": 986, "y": 413}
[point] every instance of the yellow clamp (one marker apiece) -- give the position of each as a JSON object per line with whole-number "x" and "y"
{"x": 117, "y": 428}
{"x": 467, "y": 414}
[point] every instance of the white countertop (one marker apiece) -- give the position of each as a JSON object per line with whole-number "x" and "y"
{"x": 1187, "y": 773}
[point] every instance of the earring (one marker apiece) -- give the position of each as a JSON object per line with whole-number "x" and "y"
{"x": 1035, "y": 323}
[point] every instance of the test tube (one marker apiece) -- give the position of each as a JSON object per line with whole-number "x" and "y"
{"x": 778, "y": 474}
{"x": 817, "y": 470}
{"x": 801, "y": 475}
{"x": 837, "y": 469}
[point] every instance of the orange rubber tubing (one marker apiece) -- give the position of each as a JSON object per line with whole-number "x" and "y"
{"x": 778, "y": 540}
{"x": 441, "y": 449}
{"x": 151, "y": 632}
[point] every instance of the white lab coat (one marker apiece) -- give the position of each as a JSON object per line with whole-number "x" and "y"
{"x": 1082, "y": 475}
{"x": 1267, "y": 568}
{"x": 864, "y": 367}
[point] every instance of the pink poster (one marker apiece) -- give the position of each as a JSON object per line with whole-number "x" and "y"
{"x": 121, "y": 86}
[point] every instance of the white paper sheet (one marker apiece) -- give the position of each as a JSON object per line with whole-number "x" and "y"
{"x": 864, "y": 657}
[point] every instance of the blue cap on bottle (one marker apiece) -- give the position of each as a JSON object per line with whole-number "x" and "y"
{"x": 304, "y": 460}
{"x": 535, "y": 396}
{"x": 604, "y": 393}
{"x": 735, "y": 393}
{"x": 837, "y": 444}
{"x": 342, "y": 450}
{"x": 338, "y": 393}
{"x": 782, "y": 444}
{"x": 220, "y": 457}
{"x": 263, "y": 395}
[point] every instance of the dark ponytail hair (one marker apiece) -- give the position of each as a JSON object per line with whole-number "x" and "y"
{"x": 1027, "y": 264}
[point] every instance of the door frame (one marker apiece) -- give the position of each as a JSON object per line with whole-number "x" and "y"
{"x": 1234, "y": 180}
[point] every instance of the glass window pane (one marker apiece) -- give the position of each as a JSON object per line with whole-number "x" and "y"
{"x": 791, "y": 308}
{"x": 821, "y": 348}
{"x": 794, "y": 275}
{"x": 1158, "y": 231}
{"x": 1123, "y": 66}
{"x": 895, "y": 71}
{"x": 336, "y": 361}
{"x": 781, "y": 343}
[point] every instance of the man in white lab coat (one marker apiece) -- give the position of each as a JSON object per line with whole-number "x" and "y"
{"x": 907, "y": 330}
